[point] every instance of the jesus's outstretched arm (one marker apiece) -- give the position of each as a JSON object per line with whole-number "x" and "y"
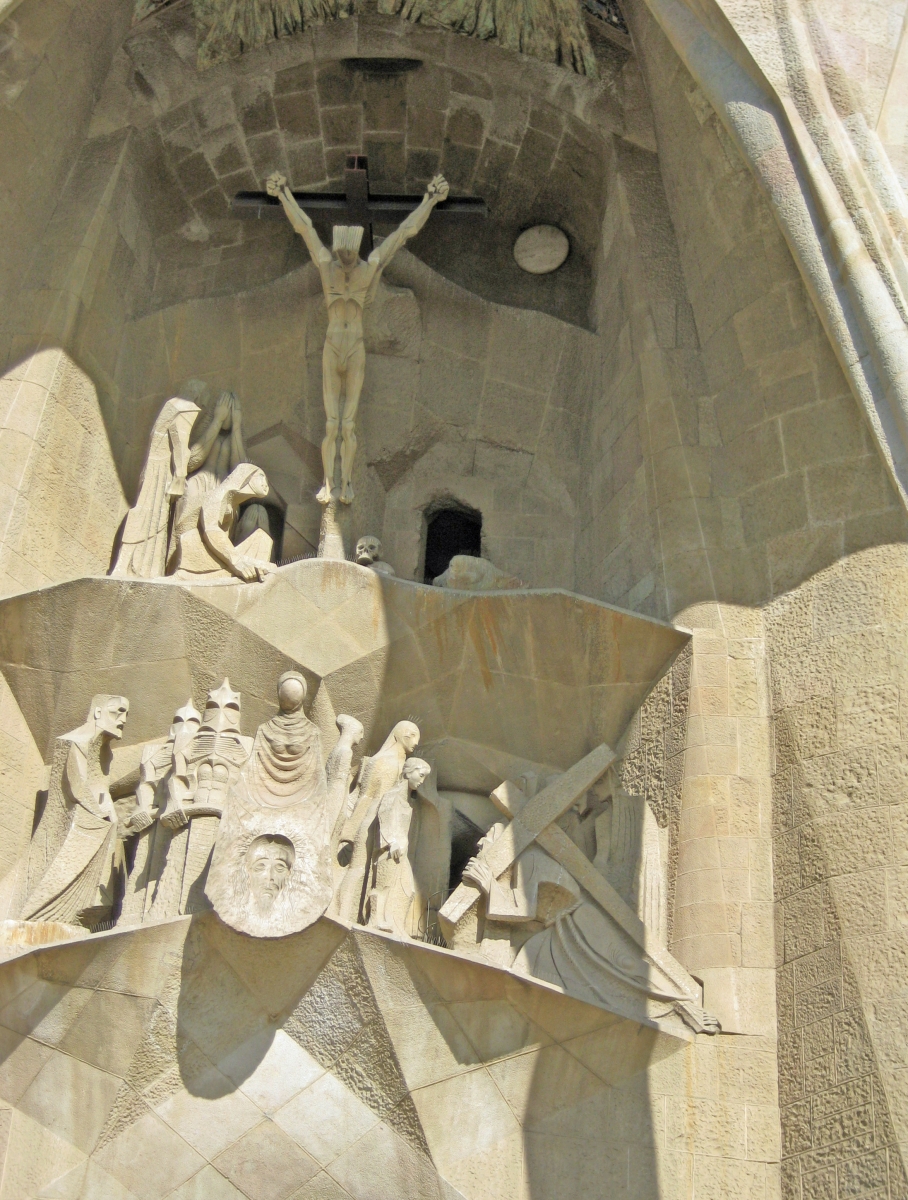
{"x": 276, "y": 185}
{"x": 408, "y": 228}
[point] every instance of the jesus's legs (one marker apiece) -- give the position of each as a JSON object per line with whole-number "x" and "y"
{"x": 356, "y": 371}
{"x": 331, "y": 388}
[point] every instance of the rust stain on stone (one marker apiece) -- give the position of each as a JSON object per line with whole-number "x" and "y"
{"x": 484, "y": 622}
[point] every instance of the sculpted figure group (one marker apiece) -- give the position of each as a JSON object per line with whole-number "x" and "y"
{"x": 272, "y": 835}
{"x": 262, "y": 829}
{"x": 187, "y": 519}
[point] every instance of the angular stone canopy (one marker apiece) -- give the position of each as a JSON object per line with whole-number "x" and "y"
{"x": 540, "y": 675}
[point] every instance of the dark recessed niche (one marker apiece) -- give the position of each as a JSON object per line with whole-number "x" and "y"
{"x": 465, "y": 837}
{"x": 255, "y": 515}
{"x": 382, "y": 66}
{"x": 451, "y": 531}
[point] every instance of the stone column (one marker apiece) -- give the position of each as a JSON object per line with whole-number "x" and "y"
{"x": 723, "y": 926}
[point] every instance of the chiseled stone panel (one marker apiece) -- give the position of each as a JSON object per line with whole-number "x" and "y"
{"x": 840, "y": 798}
{"x": 345, "y": 1064}
{"x": 60, "y": 495}
{"x": 652, "y": 758}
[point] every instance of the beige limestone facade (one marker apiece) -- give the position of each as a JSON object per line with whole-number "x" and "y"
{"x": 671, "y": 740}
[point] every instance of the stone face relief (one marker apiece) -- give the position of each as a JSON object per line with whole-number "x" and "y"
{"x": 271, "y": 869}
{"x": 469, "y": 574}
{"x": 143, "y": 550}
{"x": 349, "y": 285}
{"x": 568, "y": 888}
{"x": 368, "y": 554}
{"x": 76, "y": 856}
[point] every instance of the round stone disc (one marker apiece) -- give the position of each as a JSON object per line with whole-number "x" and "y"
{"x": 541, "y": 249}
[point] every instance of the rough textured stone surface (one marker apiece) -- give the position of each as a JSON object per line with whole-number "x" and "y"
{"x": 445, "y": 1079}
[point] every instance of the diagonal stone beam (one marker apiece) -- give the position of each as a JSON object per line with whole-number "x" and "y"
{"x": 540, "y": 812}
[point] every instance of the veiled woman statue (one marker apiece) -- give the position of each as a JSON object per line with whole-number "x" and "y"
{"x": 271, "y": 870}
{"x": 143, "y": 549}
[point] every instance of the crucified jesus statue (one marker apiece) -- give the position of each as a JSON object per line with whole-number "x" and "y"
{"x": 349, "y": 285}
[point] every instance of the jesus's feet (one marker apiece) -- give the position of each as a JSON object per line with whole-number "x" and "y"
{"x": 346, "y": 496}
{"x": 323, "y": 495}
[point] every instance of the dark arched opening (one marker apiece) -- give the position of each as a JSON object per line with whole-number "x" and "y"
{"x": 451, "y": 531}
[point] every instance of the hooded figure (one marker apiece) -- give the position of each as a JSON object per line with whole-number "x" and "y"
{"x": 143, "y": 549}
{"x": 77, "y": 837}
{"x": 202, "y": 547}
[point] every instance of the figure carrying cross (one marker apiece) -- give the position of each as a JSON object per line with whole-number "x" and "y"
{"x": 349, "y": 285}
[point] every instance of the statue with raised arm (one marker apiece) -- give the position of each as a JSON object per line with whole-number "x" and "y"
{"x": 349, "y": 285}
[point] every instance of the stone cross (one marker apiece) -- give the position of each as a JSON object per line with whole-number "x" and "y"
{"x": 356, "y": 206}
{"x": 536, "y": 822}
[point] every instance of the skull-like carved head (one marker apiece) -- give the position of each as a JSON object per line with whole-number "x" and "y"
{"x": 368, "y": 550}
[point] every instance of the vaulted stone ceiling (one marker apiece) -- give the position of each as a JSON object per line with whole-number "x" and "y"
{"x": 527, "y": 137}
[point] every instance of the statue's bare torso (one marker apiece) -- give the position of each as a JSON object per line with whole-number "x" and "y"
{"x": 349, "y": 284}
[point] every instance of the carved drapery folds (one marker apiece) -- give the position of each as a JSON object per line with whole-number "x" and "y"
{"x": 271, "y": 871}
{"x": 189, "y": 778}
{"x": 76, "y": 855}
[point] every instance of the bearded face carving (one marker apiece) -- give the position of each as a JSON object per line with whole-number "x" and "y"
{"x": 269, "y": 862}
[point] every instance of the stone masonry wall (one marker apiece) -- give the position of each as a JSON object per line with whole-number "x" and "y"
{"x": 463, "y": 399}
{"x": 55, "y": 59}
{"x": 770, "y": 474}
{"x": 840, "y": 809}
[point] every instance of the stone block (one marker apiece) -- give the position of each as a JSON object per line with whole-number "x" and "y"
{"x": 774, "y": 508}
{"x": 749, "y": 459}
{"x": 450, "y": 386}
{"x": 266, "y": 1163}
{"x": 822, "y": 433}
